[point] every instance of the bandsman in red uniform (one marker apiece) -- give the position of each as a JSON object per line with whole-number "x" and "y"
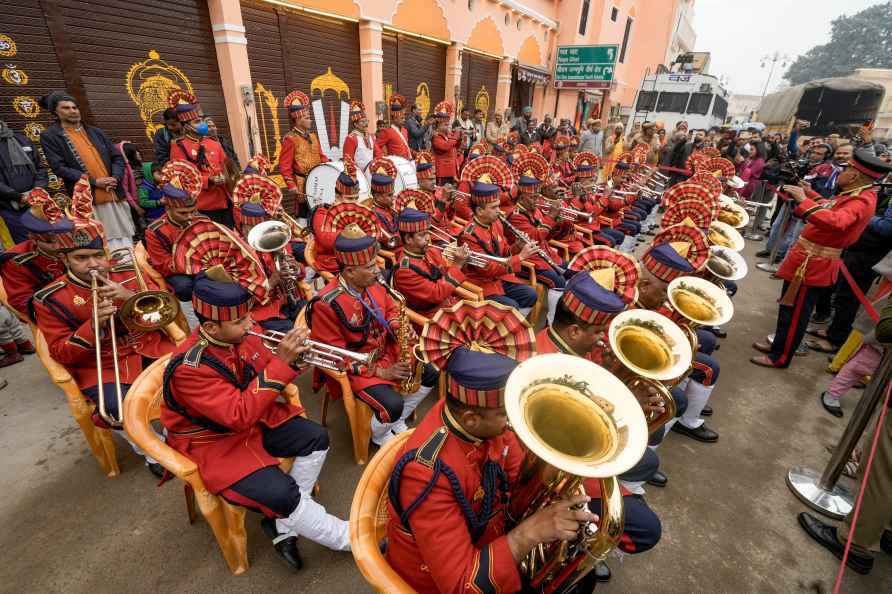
{"x": 31, "y": 265}
{"x": 424, "y": 277}
{"x": 445, "y": 144}
{"x": 222, "y": 409}
{"x": 587, "y": 199}
{"x": 814, "y": 260}
{"x": 182, "y": 184}
{"x": 384, "y": 174}
{"x": 206, "y": 154}
{"x": 64, "y": 312}
{"x": 485, "y": 235}
{"x": 394, "y": 139}
{"x": 324, "y": 233}
{"x": 355, "y": 311}
{"x": 448, "y": 492}
{"x": 562, "y": 168}
{"x": 360, "y": 144}
{"x": 301, "y": 150}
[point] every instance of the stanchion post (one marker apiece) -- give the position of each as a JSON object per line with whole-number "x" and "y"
{"x": 821, "y": 491}
{"x": 770, "y": 265}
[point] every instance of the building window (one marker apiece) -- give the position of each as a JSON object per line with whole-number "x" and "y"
{"x": 507, "y": 19}
{"x": 614, "y": 14}
{"x": 583, "y": 18}
{"x": 470, "y": 4}
{"x": 626, "y": 35}
{"x": 647, "y": 100}
{"x": 720, "y": 108}
{"x": 699, "y": 103}
{"x": 519, "y": 23}
{"x": 672, "y": 102}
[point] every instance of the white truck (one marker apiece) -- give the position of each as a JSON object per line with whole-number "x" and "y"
{"x": 670, "y": 97}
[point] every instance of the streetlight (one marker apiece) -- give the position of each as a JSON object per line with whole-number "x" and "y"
{"x": 773, "y": 59}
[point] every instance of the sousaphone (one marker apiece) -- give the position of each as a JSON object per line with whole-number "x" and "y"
{"x": 726, "y": 264}
{"x": 700, "y": 301}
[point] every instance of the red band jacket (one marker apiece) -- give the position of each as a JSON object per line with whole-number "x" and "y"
{"x": 490, "y": 239}
{"x": 217, "y": 398}
{"x": 426, "y": 280}
{"x": 540, "y": 229}
{"x": 835, "y": 224}
{"x": 161, "y": 235}
{"x": 65, "y": 316}
{"x": 212, "y": 196}
{"x": 393, "y": 141}
{"x": 323, "y": 241}
{"x": 300, "y": 153}
{"x": 445, "y": 160}
{"x": 390, "y": 230}
{"x": 366, "y": 153}
{"x": 436, "y": 551}
{"x": 25, "y": 270}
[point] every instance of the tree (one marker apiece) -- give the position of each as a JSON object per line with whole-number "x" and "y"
{"x": 863, "y": 40}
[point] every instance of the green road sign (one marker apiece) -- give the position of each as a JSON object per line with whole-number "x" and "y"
{"x": 585, "y": 66}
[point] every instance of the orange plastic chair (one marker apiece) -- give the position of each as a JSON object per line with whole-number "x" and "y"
{"x": 142, "y": 406}
{"x": 533, "y": 281}
{"x": 562, "y": 247}
{"x": 368, "y": 520}
{"x": 310, "y": 257}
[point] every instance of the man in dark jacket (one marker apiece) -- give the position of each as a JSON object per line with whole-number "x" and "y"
{"x": 171, "y": 130}
{"x": 416, "y": 129}
{"x": 62, "y": 157}
{"x": 20, "y": 172}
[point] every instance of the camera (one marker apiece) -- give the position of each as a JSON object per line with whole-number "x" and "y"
{"x": 791, "y": 172}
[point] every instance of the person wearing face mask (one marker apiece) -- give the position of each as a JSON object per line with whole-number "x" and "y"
{"x": 206, "y": 154}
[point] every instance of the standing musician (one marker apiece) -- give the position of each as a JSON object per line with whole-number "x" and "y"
{"x": 65, "y": 314}
{"x": 530, "y": 170}
{"x": 445, "y": 144}
{"x": 31, "y": 265}
{"x": 221, "y": 409}
{"x": 394, "y": 139}
{"x": 423, "y": 275}
{"x": 384, "y": 174}
{"x": 356, "y": 312}
{"x": 182, "y": 184}
{"x": 301, "y": 150}
{"x": 324, "y": 235}
{"x": 682, "y": 250}
{"x": 814, "y": 260}
{"x": 360, "y": 144}
{"x": 449, "y": 489}
{"x": 206, "y": 154}
{"x": 485, "y": 235}
{"x": 258, "y": 199}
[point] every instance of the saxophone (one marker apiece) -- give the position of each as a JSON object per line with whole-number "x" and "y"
{"x": 411, "y": 384}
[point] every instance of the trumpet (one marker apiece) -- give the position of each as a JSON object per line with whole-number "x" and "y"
{"x": 273, "y": 237}
{"x": 566, "y": 213}
{"x": 324, "y": 356}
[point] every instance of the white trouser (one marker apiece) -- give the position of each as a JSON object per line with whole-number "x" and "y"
{"x": 554, "y": 295}
{"x": 311, "y": 520}
{"x": 634, "y": 487}
{"x": 525, "y": 311}
{"x": 410, "y": 403}
{"x": 698, "y": 396}
{"x": 628, "y": 244}
{"x": 305, "y": 470}
{"x": 138, "y": 450}
{"x": 11, "y": 329}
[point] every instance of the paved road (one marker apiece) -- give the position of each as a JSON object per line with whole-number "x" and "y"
{"x": 728, "y": 519}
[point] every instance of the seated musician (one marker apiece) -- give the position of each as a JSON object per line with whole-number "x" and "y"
{"x": 346, "y": 190}
{"x": 384, "y": 174}
{"x": 448, "y": 492}
{"x": 562, "y": 168}
{"x": 64, "y": 312}
{"x": 356, "y": 312}
{"x": 682, "y": 250}
{"x": 221, "y": 409}
{"x": 581, "y": 319}
{"x": 423, "y": 275}
{"x": 180, "y": 200}
{"x": 586, "y": 199}
{"x": 485, "y": 235}
{"x": 31, "y": 265}
{"x": 530, "y": 170}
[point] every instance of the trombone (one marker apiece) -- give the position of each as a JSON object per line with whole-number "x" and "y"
{"x": 320, "y": 354}
{"x": 103, "y": 413}
{"x": 475, "y": 259}
{"x": 566, "y": 213}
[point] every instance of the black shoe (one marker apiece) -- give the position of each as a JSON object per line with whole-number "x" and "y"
{"x": 825, "y": 535}
{"x": 701, "y": 433}
{"x": 718, "y": 332}
{"x": 706, "y": 412}
{"x": 817, "y": 318}
{"x": 833, "y": 409}
{"x": 602, "y": 572}
{"x": 156, "y": 469}
{"x": 763, "y": 253}
{"x": 658, "y": 479}
{"x": 886, "y": 542}
{"x": 286, "y": 547}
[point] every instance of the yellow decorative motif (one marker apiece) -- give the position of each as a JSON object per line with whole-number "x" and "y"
{"x": 7, "y": 46}
{"x": 32, "y": 130}
{"x": 14, "y": 76}
{"x": 481, "y": 101}
{"x": 55, "y": 182}
{"x": 26, "y": 106}
{"x": 423, "y": 99}
{"x": 329, "y": 82}
{"x": 268, "y": 113}
{"x": 149, "y": 83}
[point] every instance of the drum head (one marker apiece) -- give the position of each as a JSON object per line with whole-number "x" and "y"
{"x": 320, "y": 186}
{"x": 405, "y": 174}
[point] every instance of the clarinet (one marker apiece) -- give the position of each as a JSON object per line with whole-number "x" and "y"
{"x": 539, "y": 251}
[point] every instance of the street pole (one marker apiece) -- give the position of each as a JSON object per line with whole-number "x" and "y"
{"x": 774, "y": 59}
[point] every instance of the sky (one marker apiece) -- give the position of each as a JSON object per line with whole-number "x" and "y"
{"x": 737, "y": 34}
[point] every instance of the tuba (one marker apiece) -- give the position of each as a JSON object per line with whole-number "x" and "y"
{"x": 273, "y": 237}
{"x": 701, "y": 302}
{"x": 654, "y": 350}
{"x": 578, "y": 422}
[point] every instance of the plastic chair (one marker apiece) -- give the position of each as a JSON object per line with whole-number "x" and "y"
{"x": 368, "y": 520}
{"x": 541, "y": 293}
{"x": 4, "y": 298}
{"x": 142, "y": 406}
{"x": 100, "y": 440}
{"x": 310, "y": 257}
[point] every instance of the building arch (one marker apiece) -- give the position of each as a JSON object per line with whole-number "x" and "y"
{"x": 530, "y": 52}
{"x": 486, "y": 37}
{"x": 425, "y": 17}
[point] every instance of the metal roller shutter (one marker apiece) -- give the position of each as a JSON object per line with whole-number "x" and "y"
{"x": 390, "y": 67}
{"x": 414, "y": 68}
{"x": 480, "y": 79}
{"x": 128, "y": 60}
{"x": 317, "y": 55}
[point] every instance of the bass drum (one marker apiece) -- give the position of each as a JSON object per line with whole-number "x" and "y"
{"x": 405, "y": 174}
{"x": 320, "y": 186}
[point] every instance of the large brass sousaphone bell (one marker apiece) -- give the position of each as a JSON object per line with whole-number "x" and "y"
{"x": 702, "y": 302}
{"x": 147, "y": 310}
{"x": 578, "y": 421}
